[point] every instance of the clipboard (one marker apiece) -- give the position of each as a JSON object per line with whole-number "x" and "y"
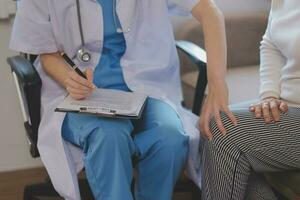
{"x": 107, "y": 103}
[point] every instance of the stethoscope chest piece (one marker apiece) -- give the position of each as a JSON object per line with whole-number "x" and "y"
{"x": 83, "y": 55}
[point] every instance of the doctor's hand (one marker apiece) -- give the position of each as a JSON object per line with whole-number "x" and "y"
{"x": 269, "y": 109}
{"x": 215, "y": 103}
{"x": 78, "y": 87}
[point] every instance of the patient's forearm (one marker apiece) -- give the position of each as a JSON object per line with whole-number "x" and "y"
{"x": 55, "y": 67}
{"x": 212, "y": 21}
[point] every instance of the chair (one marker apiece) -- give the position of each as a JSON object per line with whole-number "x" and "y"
{"x": 29, "y": 84}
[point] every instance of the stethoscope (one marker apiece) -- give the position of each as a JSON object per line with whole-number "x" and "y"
{"x": 83, "y": 54}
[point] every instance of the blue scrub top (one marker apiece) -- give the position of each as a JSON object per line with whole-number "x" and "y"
{"x": 108, "y": 73}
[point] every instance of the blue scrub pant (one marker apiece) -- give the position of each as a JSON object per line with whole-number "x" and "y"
{"x": 157, "y": 139}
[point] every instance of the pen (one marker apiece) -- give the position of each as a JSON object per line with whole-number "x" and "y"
{"x": 73, "y": 65}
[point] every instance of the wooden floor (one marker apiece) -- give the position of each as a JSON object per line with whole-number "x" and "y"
{"x": 12, "y": 184}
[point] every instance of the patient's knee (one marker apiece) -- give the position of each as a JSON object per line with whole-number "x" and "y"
{"x": 227, "y": 123}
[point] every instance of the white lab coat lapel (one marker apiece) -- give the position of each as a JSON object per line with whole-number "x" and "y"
{"x": 126, "y": 11}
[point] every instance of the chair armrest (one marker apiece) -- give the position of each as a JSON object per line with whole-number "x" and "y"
{"x": 198, "y": 56}
{"x": 25, "y": 71}
{"x": 29, "y": 85}
{"x": 193, "y": 51}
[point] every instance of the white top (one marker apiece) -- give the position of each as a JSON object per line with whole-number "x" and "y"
{"x": 280, "y": 53}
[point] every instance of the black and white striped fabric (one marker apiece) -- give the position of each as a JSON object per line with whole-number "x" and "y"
{"x": 248, "y": 149}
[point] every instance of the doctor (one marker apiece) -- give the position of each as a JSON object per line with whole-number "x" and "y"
{"x": 126, "y": 45}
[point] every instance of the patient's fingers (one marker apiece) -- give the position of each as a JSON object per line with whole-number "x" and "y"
{"x": 266, "y": 112}
{"x": 274, "y": 110}
{"x": 269, "y": 109}
{"x": 257, "y": 111}
{"x": 252, "y": 108}
{"x": 283, "y": 106}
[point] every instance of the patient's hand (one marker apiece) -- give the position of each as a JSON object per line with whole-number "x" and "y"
{"x": 78, "y": 87}
{"x": 269, "y": 108}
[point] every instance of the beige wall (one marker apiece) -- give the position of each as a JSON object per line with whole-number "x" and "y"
{"x": 14, "y": 152}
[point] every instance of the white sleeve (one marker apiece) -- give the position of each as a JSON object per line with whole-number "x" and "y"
{"x": 185, "y": 6}
{"x": 32, "y": 31}
{"x": 271, "y": 64}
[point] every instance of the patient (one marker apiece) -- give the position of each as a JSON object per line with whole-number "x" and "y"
{"x": 267, "y": 137}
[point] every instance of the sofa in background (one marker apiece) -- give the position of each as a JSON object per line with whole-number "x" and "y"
{"x": 245, "y": 24}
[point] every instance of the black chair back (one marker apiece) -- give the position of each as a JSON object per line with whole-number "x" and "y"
{"x": 29, "y": 85}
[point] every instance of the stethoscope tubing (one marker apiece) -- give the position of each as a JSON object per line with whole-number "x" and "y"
{"x": 83, "y": 54}
{"x": 80, "y": 23}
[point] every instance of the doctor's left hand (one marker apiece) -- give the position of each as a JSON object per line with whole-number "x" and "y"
{"x": 215, "y": 103}
{"x": 78, "y": 87}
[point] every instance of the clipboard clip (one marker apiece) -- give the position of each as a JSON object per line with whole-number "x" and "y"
{"x": 101, "y": 111}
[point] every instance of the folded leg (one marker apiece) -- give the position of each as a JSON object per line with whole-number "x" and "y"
{"x": 250, "y": 146}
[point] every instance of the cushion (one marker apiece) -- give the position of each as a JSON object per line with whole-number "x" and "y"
{"x": 238, "y": 79}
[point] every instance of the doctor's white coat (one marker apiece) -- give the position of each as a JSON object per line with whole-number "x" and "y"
{"x": 150, "y": 65}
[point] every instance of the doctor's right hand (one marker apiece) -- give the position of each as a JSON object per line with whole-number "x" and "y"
{"x": 78, "y": 87}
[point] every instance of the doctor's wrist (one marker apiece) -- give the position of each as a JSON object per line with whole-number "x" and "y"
{"x": 216, "y": 82}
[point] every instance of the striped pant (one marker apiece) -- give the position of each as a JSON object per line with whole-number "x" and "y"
{"x": 231, "y": 164}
